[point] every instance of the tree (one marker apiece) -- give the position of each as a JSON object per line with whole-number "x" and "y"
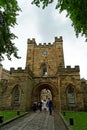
{"x": 76, "y": 11}
{"x": 8, "y": 13}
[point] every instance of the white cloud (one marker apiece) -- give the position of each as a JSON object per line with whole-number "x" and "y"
{"x": 44, "y": 25}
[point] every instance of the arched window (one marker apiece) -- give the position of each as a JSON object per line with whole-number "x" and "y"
{"x": 71, "y": 96}
{"x": 16, "y": 96}
{"x": 44, "y": 70}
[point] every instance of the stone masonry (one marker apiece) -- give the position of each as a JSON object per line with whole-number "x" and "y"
{"x": 45, "y": 69}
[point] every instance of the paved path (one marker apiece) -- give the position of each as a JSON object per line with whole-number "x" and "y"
{"x": 37, "y": 121}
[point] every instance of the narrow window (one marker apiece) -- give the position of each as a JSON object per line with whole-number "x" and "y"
{"x": 16, "y": 96}
{"x": 71, "y": 96}
{"x": 44, "y": 70}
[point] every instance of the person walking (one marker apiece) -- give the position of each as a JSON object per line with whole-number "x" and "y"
{"x": 40, "y": 106}
{"x": 50, "y": 104}
{"x": 34, "y": 106}
{"x": 44, "y": 105}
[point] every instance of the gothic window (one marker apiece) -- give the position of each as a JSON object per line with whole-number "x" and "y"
{"x": 71, "y": 96}
{"x": 44, "y": 69}
{"x": 16, "y": 96}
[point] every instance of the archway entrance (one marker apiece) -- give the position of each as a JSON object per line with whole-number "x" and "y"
{"x": 45, "y": 94}
{"x": 46, "y": 90}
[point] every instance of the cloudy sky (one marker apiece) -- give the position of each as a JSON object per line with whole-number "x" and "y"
{"x": 44, "y": 25}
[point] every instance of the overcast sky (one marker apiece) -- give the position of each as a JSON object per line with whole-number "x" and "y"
{"x": 44, "y": 26}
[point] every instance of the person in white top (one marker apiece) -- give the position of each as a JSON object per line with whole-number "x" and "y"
{"x": 44, "y": 105}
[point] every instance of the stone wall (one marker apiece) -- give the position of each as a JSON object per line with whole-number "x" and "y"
{"x": 49, "y": 54}
{"x": 45, "y": 69}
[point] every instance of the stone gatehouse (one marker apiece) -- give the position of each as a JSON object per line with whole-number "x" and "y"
{"x": 44, "y": 70}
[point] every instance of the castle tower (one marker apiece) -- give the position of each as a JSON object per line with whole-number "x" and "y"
{"x": 44, "y": 76}
{"x": 44, "y": 59}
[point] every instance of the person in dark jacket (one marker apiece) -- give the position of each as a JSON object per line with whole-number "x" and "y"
{"x": 40, "y": 106}
{"x": 34, "y": 106}
{"x": 50, "y": 104}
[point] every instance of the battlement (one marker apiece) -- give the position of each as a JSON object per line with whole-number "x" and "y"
{"x": 45, "y": 45}
{"x": 68, "y": 68}
{"x": 33, "y": 42}
{"x": 40, "y": 44}
{"x": 18, "y": 69}
{"x": 58, "y": 39}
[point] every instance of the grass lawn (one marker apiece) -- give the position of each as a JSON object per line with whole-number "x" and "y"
{"x": 79, "y": 120}
{"x": 9, "y": 114}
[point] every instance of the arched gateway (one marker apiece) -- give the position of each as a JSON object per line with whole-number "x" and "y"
{"x": 36, "y": 93}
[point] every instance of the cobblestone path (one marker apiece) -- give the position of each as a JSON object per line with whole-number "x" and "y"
{"x": 36, "y": 121}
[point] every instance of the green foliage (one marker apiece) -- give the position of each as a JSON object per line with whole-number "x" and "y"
{"x": 44, "y": 2}
{"x": 8, "y": 13}
{"x": 76, "y": 11}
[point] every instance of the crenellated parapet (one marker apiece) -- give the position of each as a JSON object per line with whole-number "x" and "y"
{"x": 33, "y": 42}
{"x": 19, "y": 69}
{"x": 58, "y": 39}
{"x": 45, "y": 45}
{"x": 68, "y": 69}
